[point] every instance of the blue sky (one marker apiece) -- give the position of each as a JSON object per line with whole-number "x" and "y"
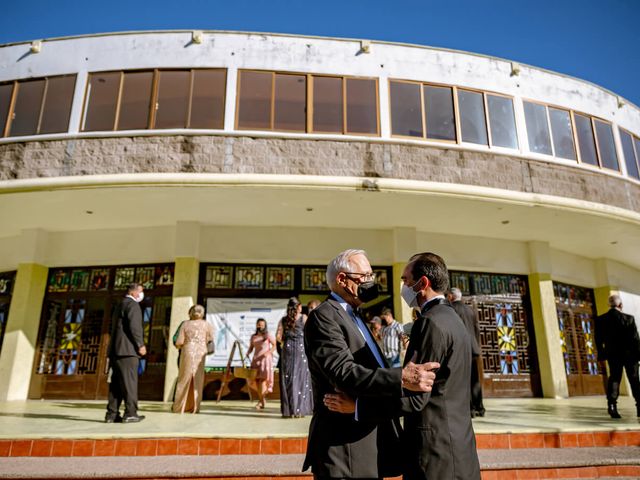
{"x": 596, "y": 40}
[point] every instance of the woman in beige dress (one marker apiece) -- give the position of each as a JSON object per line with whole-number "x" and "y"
{"x": 192, "y": 342}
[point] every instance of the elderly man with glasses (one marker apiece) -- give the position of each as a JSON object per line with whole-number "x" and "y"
{"x": 344, "y": 357}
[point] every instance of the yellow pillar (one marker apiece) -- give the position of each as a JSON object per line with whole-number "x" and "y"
{"x": 404, "y": 246}
{"x": 545, "y": 320}
{"x": 401, "y": 311}
{"x": 185, "y": 294}
{"x": 18, "y": 349}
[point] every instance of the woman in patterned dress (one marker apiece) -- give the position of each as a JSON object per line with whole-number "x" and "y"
{"x": 263, "y": 345}
{"x": 192, "y": 341}
{"x": 296, "y": 399}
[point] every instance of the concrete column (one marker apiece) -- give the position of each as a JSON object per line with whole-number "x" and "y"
{"x": 404, "y": 246}
{"x": 19, "y": 346}
{"x": 545, "y": 320}
{"x": 185, "y": 293}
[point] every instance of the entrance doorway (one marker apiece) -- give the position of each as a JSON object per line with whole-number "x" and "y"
{"x": 576, "y": 314}
{"x": 509, "y": 358}
{"x": 71, "y": 354}
{"x": 6, "y": 287}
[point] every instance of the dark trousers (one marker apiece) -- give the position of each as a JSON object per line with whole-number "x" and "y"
{"x": 123, "y": 386}
{"x": 476, "y": 385}
{"x": 615, "y": 376}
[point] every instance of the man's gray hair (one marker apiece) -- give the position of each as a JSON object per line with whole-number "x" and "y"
{"x": 615, "y": 301}
{"x": 339, "y": 264}
{"x": 456, "y": 293}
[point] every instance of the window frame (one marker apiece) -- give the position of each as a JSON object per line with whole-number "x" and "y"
{"x": 549, "y": 126}
{"x": 634, "y": 139}
{"x": 153, "y": 100}
{"x": 309, "y": 98}
{"x": 592, "y": 120}
{"x": 15, "y": 89}
{"x": 613, "y": 138}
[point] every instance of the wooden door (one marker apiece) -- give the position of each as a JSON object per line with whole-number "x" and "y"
{"x": 508, "y": 349}
{"x": 575, "y": 309}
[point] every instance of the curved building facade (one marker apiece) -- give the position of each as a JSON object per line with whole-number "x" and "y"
{"x": 231, "y": 167}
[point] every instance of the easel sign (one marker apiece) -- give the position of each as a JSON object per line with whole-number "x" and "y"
{"x": 238, "y": 372}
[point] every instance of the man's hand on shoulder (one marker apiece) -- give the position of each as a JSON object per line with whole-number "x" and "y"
{"x": 419, "y": 377}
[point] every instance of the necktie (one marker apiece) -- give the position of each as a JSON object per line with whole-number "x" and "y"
{"x": 355, "y": 313}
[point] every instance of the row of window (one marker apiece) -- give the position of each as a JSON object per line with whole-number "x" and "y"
{"x": 308, "y": 103}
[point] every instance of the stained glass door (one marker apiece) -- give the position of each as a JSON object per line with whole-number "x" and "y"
{"x": 75, "y": 328}
{"x": 575, "y": 309}
{"x": 509, "y": 358}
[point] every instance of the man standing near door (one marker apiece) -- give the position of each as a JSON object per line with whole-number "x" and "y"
{"x": 125, "y": 349}
{"x": 618, "y": 343}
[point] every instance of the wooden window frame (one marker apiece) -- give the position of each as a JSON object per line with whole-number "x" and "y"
{"x": 486, "y": 116}
{"x": 6, "y": 128}
{"x": 309, "y": 99}
{"x": 595, "y": 136}
{"x": 423, "y": 111}
{"x": 572, "y": 126}
{"x": 153, "y": 100}
{"x": 636, "y": 153}
{"x": 548, "y": 117}
{"x": 515, "y": 123}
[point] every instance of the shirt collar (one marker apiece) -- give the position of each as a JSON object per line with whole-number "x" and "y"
{"x": 431, "y": 300}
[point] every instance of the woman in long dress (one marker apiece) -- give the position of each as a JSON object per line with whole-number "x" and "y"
{"x": 296, "y": 399}
{"x": 193, "y": 336}
{"x": 262, "y": 345}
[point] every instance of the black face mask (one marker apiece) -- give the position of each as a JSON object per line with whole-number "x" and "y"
{"x": 367, "y": 291}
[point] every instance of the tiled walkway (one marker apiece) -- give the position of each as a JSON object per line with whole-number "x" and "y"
{"x": 237, "y": 419}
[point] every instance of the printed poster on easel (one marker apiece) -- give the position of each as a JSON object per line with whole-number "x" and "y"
{"x": 235, "y": 319}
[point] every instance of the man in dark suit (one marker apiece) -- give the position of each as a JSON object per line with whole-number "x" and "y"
{"x": 438, "y": 439}
{"x": 125, "y": 349}
{"x": 470, "y": 319}
{"x": 343, "y": 357}
{"x": 618, "y": 343}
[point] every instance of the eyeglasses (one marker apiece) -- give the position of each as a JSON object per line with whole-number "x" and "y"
{"x": 367, "y": 277}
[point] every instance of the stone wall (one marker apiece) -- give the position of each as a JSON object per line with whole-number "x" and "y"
{"x": 229, "y": 154}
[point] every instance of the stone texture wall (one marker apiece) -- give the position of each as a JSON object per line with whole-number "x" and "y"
{"x": 227, "y": 154}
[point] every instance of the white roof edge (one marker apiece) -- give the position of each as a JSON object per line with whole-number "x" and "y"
{"x": 318, "y": 37}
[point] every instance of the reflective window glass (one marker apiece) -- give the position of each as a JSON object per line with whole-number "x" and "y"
{"x": 26, "y": 113}
{"x": 327, "y": 104}
{"x": 207, "y": 101}
{"x": 636, "y": 143}
{"x": 472, "y": 118}
{"x": 57, "y": 104}
{"x": 135, "y": 102}
{"x": 537, "y": 128}
{"x": 562, "y": 133}
{"x": 6, "y": 91}
{"x": 438, "y": 105}
{"x": 290, "y": 112}
{"x": 362, "y": 106}
{"x": 172, "y": 103}
{"x": 630, "y": 158}
{"x": 586, "y": 142}
{"x": 254, "y": 107}
{"x": 502, "y": 122}
{"x": 102, "y": 101}
{"x": 406, "y": 113}
{"x": 606, "y": 146}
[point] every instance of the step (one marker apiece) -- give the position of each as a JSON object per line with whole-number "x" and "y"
{"x": 587, "y": 462}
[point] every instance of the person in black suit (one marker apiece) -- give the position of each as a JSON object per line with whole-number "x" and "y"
{"x": 125, "y": 349}
{"x": 343, "y": 357}
{"x": 470, "y": 319}
{"x": 618, "y": 342}
{"x": 438, "y": 439}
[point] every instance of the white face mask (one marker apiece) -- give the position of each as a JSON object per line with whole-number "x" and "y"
{"x": 140, "y": 297}
{"x": 408, "y": 295}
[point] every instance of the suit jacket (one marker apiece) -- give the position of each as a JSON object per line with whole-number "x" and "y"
{"x": 468, "y": 316}
{"x": 126, "y": 329}
{"x": 339, "y": 358}
{"x": 438, "y": 438}
{"x": 617, "y": 337}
